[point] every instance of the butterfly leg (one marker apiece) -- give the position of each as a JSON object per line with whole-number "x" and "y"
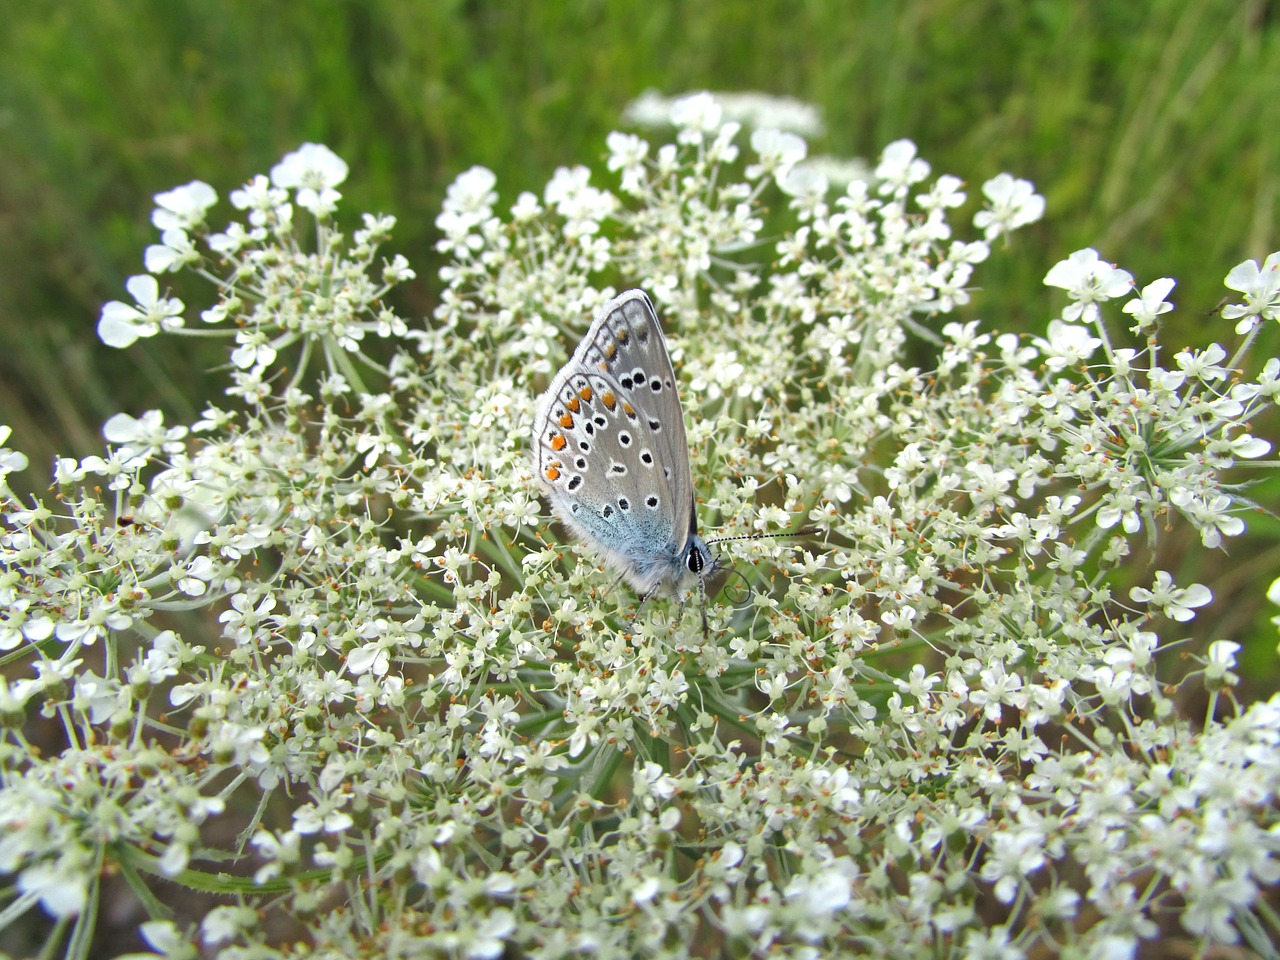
{"x": 639, "y": 603}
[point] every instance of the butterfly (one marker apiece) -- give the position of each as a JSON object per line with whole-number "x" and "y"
{"x": 611, "y": 452}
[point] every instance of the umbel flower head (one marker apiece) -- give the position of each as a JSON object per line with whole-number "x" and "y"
{"x": 321, "y": 652}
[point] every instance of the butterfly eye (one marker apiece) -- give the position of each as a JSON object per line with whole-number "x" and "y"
{"x": 694, "y": 560}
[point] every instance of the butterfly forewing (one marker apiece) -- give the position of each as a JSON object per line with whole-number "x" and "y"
{"x": 611, "y": 443}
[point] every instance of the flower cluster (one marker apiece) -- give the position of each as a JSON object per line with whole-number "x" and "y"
{"x": 326, "y": 633}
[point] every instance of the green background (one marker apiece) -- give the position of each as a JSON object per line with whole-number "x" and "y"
{"x": 1152, "y": 128}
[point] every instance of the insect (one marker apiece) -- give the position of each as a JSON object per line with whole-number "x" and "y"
{"x": 610, "y": 449}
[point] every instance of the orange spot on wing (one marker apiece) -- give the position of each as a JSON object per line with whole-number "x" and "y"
{"x": 610, "y": 351}
{"x": 573, "y": 404}
{"x": 628, "y": 409}
{"x": 622, "y": 335}
{"x": 558, "y": 441}
{"x": 586, "y": 394}
{"x": 567, "y": 421}
{"x": 608, "y": 399}
{"x": 551, "y": 473}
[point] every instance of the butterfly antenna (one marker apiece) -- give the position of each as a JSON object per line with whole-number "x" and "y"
{"x": 806, "y": 532}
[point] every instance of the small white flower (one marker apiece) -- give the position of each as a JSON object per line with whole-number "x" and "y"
{"x": 1222, "y": 661}
{"x": 1013, "y": 203}
{"x": 778, "y": 152}
{"x": 61, "y": 884}
{"x": 1149, "y": 304}
{"x": 313, "y": 170}
{"x": 1205, "y": 365}
{"x": 825, "y": 893}
{"x": 224, "y": 923}
{"x": 164, "y": 937}
{"x": 1177, "y": 603}
{"x": 695, "y": 116}
{"x": 183, "y": 208}
{"x": 11, "y": 461}
{"x": 143, "y": 436}
{"x": 259, "y": 197}
{"x": 899, "y": 167}
{"x": 805, "y": 184}
{"x": 174, "y": 251}
{"x": 627, "y": 154}
{"x": 121, "y": 324}
{"x": 1261, "y": 289}
{"x": 1067, "y": 345}
{"x": 1213, "y": 517}
{"x": 1088, "y": 280}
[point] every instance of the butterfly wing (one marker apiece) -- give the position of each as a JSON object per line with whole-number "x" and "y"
{"x": 611, "y": 449}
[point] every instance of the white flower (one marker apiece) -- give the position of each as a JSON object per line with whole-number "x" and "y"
{"x": 646, "y": 890}
{"x": 313, "y": 170}
{"x": 259, "y": 197}
{"x": 253, "y": 349}
{"x": 1088, "y": 280}
{"x": 806, "y": 184}
{"x": 370, "y": 658}
{"x": 488, "y": 938}
{"x": 899, "y": 167}
{"x": 1067, "y": 345}
{"x": 695, "y": 116}
{"x": 61, "y": 884}
{"x": 1013, "y": 204}
{"x": 183, "y": 208}
{"x": 1205, "y": 365}
{"x": 1149, "y": 304}
{"x": 224, "y": 923}
{"x": 778, "y": 152}
{"x": 571, "y": 194}
{"x": 143, "y": 436}
{"x": 165, "y": 938}
{"x": 627, "y": 153}
{"x": 1222, "y": 660}
{"x": 1212, "y": 905}
{"x": 1261, "y": 289}
{"x": 98, "y": 697}
{"x": 1177, "y": 603}
{"x": 1213, "y": 517}
{"x": 11, "y": 461}
{"x": 471, "y": 195}
{"x": 1013, "y": 856}
{"x": 821, "y": 895}
{"x": 174, "y": 252}
{"x": 121, "y": 324}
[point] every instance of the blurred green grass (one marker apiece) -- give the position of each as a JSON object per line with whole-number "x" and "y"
{"x": 1150, "y": 127}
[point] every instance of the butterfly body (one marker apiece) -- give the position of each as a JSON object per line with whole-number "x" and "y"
{"x": 611, "y": 451}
